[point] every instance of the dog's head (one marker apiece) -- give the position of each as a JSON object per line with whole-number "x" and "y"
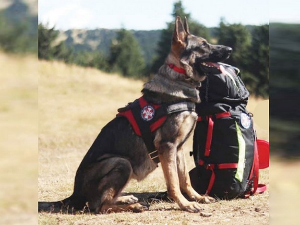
{"x": 195, "y": 54}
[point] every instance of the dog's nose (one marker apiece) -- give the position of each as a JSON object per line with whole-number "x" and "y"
{"x": 229, "y": 50}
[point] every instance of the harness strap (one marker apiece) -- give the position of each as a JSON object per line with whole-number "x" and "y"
{"x": 145, "y": 128}
{"x": 146, "y": 133}
{"x": 210, "y": 128}
{"x": 167, "y": 109}
{"x": 181, "y": 106}
{"x": 212, "y": 168}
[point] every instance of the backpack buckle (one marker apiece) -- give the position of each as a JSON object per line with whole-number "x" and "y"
{"x": 210, "y": 166}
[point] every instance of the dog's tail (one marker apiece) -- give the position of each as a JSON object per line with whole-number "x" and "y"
{"x": 50, "y": 206}
{"x": 70, "y": 204}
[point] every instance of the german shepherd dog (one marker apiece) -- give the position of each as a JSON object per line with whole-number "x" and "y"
{"x": 118, "y": 154}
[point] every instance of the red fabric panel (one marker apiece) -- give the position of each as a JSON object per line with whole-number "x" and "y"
{"x": 128, "y": 114}
{"x": 154, "y": 126}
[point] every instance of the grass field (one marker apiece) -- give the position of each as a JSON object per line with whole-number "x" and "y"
{"x": 74, "y": 104}
{"x": 18, "y": 139}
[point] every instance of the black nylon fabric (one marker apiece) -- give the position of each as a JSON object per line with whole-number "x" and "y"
{"x": 219, "y": 94}
{"x": 219, "y": 88}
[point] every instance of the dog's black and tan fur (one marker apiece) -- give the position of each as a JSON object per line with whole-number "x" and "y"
{"x": 118, "y": 154}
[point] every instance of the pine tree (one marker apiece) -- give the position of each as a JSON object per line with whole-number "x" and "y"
{"x": 164, "y": 44}
{"x": 238, "y": 38}
{"x": 250, "y": 54}
{"x": 48, "y": 48}
{"x": 13, "y": 35}
{"x": 46, "y": 38}
{"x": 90, "y": 59}
{"x": 125, "y": 55}
{"x": 259, "y": 61}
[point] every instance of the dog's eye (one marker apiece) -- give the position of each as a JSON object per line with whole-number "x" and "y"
{"x": 204, "y": 44}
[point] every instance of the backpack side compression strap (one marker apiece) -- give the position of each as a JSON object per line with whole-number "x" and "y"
{"x": 212, "y": 167}
{"x": 210, "y": 128}
{"x": 254, "y": 174}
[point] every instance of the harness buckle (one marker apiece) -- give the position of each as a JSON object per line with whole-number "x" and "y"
{"x": 210, "y": 166}
{"x": 153, "y": 154}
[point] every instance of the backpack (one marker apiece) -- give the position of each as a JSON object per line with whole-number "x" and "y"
{"x": 225, "y": 146}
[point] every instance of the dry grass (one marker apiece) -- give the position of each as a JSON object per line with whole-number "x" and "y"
{"x": 74, "y": 104}
{"x": 18, "y": 142}
{"x": 285, "y": 192}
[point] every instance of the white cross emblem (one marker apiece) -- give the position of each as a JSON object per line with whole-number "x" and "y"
{"x": 147, "y": 113}
{"x": 245, "y": 120}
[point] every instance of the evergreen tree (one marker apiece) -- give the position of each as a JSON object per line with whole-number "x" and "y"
{"x": 13, "y": 36}
{"x": 62, "y": 52}
{"x": 238, "y": 38}
{"x": 90, "y": 59}
{"x": 125, "y": 55}
{"x": 100, "y": 61}
{"x": 285, "y": 81}
{"x": 250, "y": 54}
{"x": 164, "y": 44}
{"x": 46, "y": 37}
{"x": 48, "y": 49}
{"x": 259, "y": 61}
{"x": 18, "y": 33}
{"x": 82, "y": 58}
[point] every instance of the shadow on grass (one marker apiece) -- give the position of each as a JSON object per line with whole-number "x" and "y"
{"x": 146, "y": 199}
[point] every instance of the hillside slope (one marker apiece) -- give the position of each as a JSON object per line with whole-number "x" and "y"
{"x": 100, "y": 40}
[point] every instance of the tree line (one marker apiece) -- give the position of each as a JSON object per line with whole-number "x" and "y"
{"x": 18, "y": 33}
{"x": 284, "y": 92}
{"x": 124, "y": 57}
{"x": 250, "y": 50}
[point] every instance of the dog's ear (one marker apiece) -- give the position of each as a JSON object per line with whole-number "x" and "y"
{"x": 179, "y": 34}
{"x": 186, "y": 26}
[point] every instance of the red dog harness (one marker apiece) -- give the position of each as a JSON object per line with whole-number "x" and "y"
{"x": 146, "y": 117}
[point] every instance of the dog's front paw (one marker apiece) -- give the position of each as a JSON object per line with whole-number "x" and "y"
{"x": 206, "y": 199}
{"x": 127, "y": 199}
{"x": 193, "y": 207}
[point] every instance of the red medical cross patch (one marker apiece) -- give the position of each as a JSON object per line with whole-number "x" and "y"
{"x": 147, "y": 113}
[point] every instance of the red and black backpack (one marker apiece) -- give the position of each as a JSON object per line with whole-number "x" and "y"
{"x": 225, "y": 146}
